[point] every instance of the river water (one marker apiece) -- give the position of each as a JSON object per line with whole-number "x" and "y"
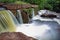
{"x": 39, "y": 28}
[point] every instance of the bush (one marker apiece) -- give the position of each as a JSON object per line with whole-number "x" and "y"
{"x": 53, "y": 5}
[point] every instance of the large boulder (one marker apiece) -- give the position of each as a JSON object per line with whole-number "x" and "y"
{"x": 14, "y": 36}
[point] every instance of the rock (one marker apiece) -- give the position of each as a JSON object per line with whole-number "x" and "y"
{"x": 14, "y": 36}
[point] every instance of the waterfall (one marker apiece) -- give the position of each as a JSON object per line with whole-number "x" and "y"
{"x": 19, "y": 17}
{"x": 33, "y": 14}
{"x": 6, "y": 22}
{"x": 13, "y": 17}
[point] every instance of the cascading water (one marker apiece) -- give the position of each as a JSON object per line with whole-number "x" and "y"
{"x": 33, "y": 14}
{"x": 19, "y": 17}
{"x": 41, "y": 28}
{"x": 13, "y": 17}
{"x": 6, "y": 22}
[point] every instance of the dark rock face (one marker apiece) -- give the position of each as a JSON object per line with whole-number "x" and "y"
{"x": 14, "y": 36}
{"x": 49, "y": 16}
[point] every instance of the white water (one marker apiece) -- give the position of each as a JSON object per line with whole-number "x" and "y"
{"x": 19, "y": 17}
{"x": 32, "y": 30}
{"x": 38, "y": 32}
{"x": 33, "y": 14}
{"x": 13, "y": 17}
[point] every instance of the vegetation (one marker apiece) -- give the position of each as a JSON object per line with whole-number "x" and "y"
{"x": 20, "y": 2}
{"x": 7, "y": 1}
{"x": 53, "y": 5}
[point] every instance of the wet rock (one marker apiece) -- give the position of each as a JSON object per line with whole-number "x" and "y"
{"x": 14, "y": 36}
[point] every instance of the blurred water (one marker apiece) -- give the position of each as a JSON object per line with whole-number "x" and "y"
{"x": 33, "y": 14}
{"x": 1, "y": 8}
{"x": 7, "y": 23}
{"x": 19, "y": 17}
{"x": 41, "y": 30}
{"x": 13, "y": 17}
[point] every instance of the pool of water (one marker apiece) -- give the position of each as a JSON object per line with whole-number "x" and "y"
{"x": 41, "y": 30}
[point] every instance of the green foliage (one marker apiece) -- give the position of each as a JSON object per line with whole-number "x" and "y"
{"x": 7, "y": 1}
{"x": 20, "y": 2}
{"x": 30, "y": 1}
{"x": 53, "y": 5}
{"x": 43, "y": 4}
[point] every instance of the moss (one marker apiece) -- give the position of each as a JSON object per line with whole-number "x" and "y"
{"x": 20, "y": 2}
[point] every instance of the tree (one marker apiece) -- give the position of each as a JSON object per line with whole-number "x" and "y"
{"x": 7, "y": 1}
{"x": 53, "y": 5}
